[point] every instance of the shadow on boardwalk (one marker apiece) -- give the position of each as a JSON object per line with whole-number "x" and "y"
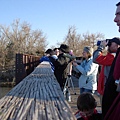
{"x": 73, "y": 103}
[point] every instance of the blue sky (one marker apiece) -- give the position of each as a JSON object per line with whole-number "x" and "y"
{"x": 54, "y": 17}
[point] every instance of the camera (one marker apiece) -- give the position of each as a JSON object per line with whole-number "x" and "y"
{"x": 115, "y": 39}
{"x": 99, "y": 41}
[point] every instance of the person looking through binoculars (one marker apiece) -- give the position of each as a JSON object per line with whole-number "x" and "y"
{"x": 105, "y": 61}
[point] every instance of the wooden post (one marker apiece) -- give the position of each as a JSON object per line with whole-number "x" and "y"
{"x": 20, "y": 72}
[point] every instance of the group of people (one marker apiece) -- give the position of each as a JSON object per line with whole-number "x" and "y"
{"x": 108, "y": 88}
{"x": 107, "y": 84}
{"x": 58, "y": 61}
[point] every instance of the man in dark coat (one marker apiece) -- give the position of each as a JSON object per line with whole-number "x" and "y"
{"x": 61, "y": 64}
{"x": 109, "y": 106}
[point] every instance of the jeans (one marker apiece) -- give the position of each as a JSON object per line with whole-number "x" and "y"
{"x": 82, "y": 90}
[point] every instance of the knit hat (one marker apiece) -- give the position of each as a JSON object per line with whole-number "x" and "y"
{"x": 64, "y": 48}
{"x": 88, "y": 49}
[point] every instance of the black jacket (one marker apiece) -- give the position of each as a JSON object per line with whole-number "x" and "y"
{"x": 110, "y": 89}
{"x": 60, "y": 66}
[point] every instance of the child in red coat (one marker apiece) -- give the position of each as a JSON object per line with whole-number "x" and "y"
{"x": 86, "y": 104}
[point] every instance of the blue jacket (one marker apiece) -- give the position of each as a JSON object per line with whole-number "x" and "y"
{"x": 88, "y": 78}
{"x": 47, "y": 58}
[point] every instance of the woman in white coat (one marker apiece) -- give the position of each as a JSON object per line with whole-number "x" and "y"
{"x": 89, "y": 70}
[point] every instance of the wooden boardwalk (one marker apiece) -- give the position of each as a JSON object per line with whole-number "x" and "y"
{"x": 73, "y": 103}
{"x": 39, "y": 97}
{"x": 36, "y": 97}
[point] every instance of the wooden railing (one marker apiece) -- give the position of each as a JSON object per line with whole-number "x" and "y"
{"x": 37, "y": 97}
{"x": 25, "y": 64}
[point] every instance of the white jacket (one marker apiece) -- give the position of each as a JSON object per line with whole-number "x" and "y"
{"x": 88, "y": 78}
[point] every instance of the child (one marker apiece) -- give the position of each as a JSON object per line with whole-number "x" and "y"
{"x": 86, "y": 105}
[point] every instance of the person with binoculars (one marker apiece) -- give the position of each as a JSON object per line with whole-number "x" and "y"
{"x": 111, "y": 97}
{"x": 105, "y": 61}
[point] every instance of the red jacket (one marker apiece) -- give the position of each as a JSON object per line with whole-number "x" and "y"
{"x": 104, "y": 61}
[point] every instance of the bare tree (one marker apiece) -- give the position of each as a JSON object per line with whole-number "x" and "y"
{"x": 91, "y": 39}
{"x": 20, "y": 38}
{"x": 77, "y": 41}
{"x": 3, "y": 50}
{"x": 73, "y": 40}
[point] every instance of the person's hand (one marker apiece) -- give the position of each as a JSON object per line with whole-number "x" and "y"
{"x": 74, "y": 63}
{"x": 104, "y": 43}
